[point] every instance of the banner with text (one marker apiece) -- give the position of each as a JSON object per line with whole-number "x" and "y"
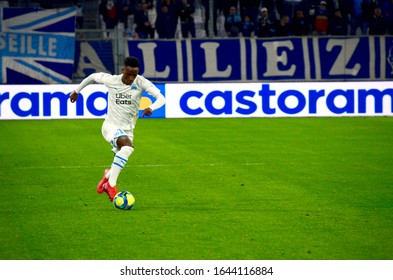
{"x": 241, "y": 59}
{"x": 214, "y": 100}
{"x": 37, "y": 46}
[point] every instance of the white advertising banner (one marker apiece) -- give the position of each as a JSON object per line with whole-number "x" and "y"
{"x": 227, "y": 100}
{"x": 51, "y": 102}
{"x": 208, "y": 100}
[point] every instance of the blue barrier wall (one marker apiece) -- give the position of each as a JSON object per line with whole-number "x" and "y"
{"x": 231, "y": 60}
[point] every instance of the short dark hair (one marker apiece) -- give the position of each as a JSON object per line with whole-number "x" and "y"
{"x": 131, "y": 61}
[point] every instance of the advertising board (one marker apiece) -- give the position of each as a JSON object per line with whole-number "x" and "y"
{"x": 207, "y": 100}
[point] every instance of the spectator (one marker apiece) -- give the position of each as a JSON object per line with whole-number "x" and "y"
{"x": 143, "y": 25}
{"x": 270, "y": 5}
{"x": 265, "y": 26}
{"x": 300, "y": 25}
{"x": 345, "y": 8}
{"x": 247, "y": 27}
{"x": 338, "y": 25}
{"x": 108, "y": 12}
{"x": 124, "y": 9}
{"x": 343, "y": 5}
{"x": 310, "y": 10}
{"x": 233, "y": 23}
{"x": 283, "y": 27}
{"x": 250, "y": 8}
{"x": 206, "y": 6}
{"x": 225, "y": 5}
{"x": 152, "y": 14}
{"x": 321, "y": 19}
{"x": 165, "y": 23}
{"x": 167, "y": 18}
{"x": 377, "y": 25}
{"x": 186, "y": 11}
{"x": 387, "y": 8}
{"x": 359, "y": 18}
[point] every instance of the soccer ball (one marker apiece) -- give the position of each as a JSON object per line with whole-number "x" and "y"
{"x": 124, "y": 200}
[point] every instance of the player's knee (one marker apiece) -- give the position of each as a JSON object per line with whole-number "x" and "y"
{"x": 124, "y": 141}
{"x": 127, "y": 150}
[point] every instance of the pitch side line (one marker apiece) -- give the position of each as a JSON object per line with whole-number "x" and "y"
{"x": 145, "y": 165}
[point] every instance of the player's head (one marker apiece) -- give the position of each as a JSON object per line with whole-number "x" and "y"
{"x": 130, "y": 70}
{"x": 131, "y": 61}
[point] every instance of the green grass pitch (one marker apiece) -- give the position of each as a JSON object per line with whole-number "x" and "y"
{"x": 205, "y": 189}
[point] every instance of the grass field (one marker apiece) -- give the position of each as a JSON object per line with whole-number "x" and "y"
{"x": 283, "y": 188}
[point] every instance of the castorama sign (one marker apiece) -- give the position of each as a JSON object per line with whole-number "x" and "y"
{"x": 208, "y": 100}
{"x": 279, "y": 100}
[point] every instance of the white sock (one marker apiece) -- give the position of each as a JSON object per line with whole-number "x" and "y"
{"x": 119, "y": 161}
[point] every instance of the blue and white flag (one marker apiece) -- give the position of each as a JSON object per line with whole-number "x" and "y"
{"x": 37, "y": 46}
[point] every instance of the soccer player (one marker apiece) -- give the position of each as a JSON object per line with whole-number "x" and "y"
{"x": 124, "y": 96}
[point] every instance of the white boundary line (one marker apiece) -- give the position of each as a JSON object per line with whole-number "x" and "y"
{"x": 147, "y": 165}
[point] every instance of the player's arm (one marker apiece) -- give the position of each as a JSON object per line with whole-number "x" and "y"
{"x": 147, "y": 112}
{"x": 93, "y": 78}
{"x": 158, "y": 103}
{"x": 73, "y": 96}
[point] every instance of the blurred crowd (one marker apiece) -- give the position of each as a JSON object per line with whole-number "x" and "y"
{"x": 168, "y": 19}
{"x": 253, "y": 18}
{"x": 151, "y": 18}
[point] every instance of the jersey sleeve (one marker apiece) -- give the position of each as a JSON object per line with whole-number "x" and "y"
{"x": 152, "y": 90}
{"x": 98, "y": 78}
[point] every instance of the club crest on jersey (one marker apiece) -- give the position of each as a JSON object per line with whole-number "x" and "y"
{"x": 133, "y": 87}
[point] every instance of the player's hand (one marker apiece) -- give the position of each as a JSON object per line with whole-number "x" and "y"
{"x": 73, "y": 96}
{"x": 147, "y": 112}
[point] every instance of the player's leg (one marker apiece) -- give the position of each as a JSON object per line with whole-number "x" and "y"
{"x": 126, "y": 148}
{"x": 108, "y": 132}
{"x": 122, "y": 147}
{"x": 100, "y": 186}
{"x": 120, "y": 159}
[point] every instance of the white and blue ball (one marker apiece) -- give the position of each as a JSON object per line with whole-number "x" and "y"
{"x": 124, "y": 200}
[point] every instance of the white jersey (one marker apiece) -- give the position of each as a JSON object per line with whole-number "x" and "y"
{"x": 123, "y": 100}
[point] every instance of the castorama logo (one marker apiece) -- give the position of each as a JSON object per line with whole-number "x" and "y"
{"x": 279, "y": 99}
{"x": 194, "y": 100}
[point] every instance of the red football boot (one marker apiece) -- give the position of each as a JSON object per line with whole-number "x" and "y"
{"x": 100, "y": 186}
{"x": 111, "y": 191}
